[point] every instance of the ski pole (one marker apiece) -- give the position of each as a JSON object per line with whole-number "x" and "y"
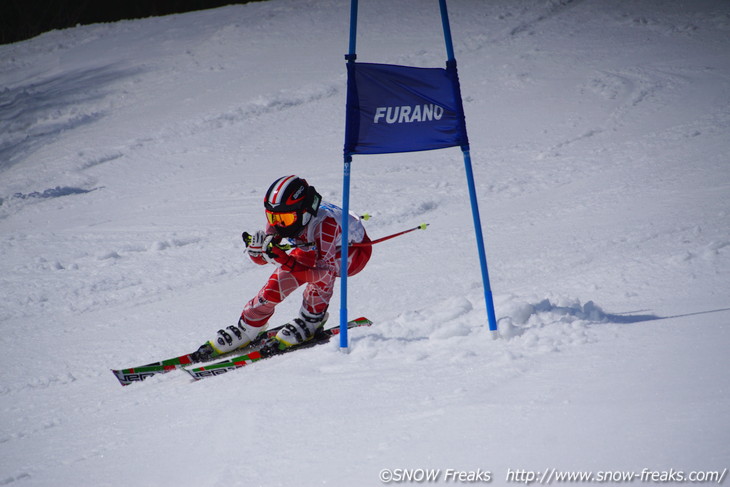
{"x": 422, "y": 226}
{"x": 282, "y": 246}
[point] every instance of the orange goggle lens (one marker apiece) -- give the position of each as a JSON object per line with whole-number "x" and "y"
{"x": 281, "y": 219}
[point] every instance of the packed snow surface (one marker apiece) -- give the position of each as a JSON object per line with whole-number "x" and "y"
{"x": 133, "y": 154}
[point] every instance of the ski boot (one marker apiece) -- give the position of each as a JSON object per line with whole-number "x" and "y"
{"x": 227, "y": 340}
{"x": 300, "y": 329}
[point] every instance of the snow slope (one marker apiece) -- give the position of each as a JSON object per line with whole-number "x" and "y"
{"x": 133, "y": 154}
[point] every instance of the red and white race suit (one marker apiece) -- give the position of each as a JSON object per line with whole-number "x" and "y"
{"x": 317, "y": 266}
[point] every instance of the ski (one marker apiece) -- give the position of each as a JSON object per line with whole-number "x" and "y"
{"x": 268, "y": 349}
{"x": 142, "y": 372}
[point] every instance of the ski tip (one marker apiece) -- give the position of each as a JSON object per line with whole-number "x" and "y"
{"x": 119, "y": 374}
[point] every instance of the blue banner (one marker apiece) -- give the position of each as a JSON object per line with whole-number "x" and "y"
{"x": 402, "y": 109}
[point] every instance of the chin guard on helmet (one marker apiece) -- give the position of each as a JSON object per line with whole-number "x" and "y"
{"x": 315, "y": 199}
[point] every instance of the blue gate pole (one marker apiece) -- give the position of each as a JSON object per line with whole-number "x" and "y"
{"x": 491, "y": 318}
{"x": 344, "y": 246}
{"x": 489, "y": 301}
{"x": 344, "y": 250}
{"x": 447, "y": 30}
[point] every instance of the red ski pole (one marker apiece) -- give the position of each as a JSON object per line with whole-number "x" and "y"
{"x": 422, "y": 226}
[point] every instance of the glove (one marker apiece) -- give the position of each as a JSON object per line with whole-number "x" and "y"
{"x": 278, "y": 256}
{"x": 273, "y": 254}
{"x": 255, "y": 243}
{"x": 265, "y": 246}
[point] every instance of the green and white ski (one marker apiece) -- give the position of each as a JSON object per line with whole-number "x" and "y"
{"x": 268, "y": 349}
{"x": 142, "y": 372}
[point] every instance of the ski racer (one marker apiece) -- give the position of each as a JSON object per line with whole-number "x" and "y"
{"x": 294, "y": 211}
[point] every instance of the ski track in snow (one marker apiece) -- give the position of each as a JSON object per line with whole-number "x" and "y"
{"x": 133, "y": 154}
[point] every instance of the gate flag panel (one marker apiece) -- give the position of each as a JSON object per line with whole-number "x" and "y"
{"x": 401, "y": 109}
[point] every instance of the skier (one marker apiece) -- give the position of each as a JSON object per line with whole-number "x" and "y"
{"x": 294, "y": 211}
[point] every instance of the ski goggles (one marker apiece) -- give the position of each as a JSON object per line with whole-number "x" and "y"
{"x": 281, "y": 219}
